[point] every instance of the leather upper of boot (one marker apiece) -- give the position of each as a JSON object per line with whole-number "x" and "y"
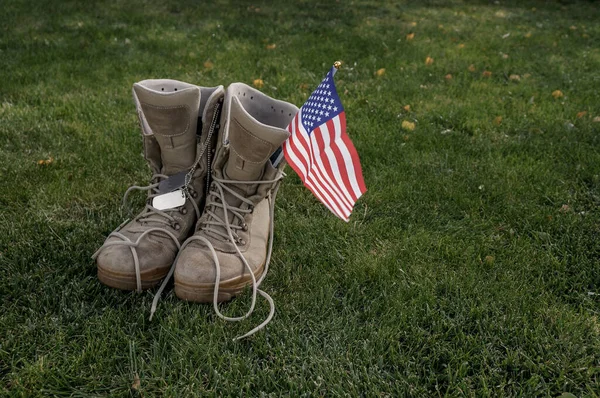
{"x": 253, "y": 127}
{"x": 169, "y": 113}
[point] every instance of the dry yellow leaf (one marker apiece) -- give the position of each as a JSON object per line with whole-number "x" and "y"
{"x": 504, "y": 56}
{"x": 271, "y": 46}
{"x": 380, "y": 72}
{"x": 471, "y": 68}
{"x": 528, "y": 35}
{"x": 489, "y": 259}
{"x": 573, "y": 27}
{"x": 428, "y": 61}
{"x": 413, "y": 24}
{"x": 515, "y": 77}
{"x": 136, "y": 383}
{"x": 405, "y": 137}
{"x": 45, "y": 162}
{"x": 208, "y": 65}
{"x": 498, "y": 120}
{"x": 406, "y": 125}
{"x": 486, "y": 73}
{"x": 410, "y": 36}
{"x": 448, "y": 77}
{"x": 406, "y": 108}
{"x": 303, "y": 86}
{"x": 557, "y": 94}
{"x": 581, "y": 114}
{"x": 527, "y": 75}
{"x": 258, "y": 83}
{"x": 585, "y": 36}
{"x": 461, "y": 45}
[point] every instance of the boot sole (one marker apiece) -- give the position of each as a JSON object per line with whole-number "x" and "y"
{"x": 204, "y": 292}
{"x": 149, "y": 278}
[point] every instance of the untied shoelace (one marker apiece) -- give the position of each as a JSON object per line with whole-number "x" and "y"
{"x": 218, "y": 192}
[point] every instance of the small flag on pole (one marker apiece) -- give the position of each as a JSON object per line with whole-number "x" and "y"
{"x": 321, "y": 153}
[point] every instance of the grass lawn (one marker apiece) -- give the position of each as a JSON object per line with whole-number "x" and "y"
{"x": 470, "y": 267}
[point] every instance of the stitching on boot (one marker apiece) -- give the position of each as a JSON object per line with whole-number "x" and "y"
{"x": 167, "y": 108}
{"x": 239, "y": 125}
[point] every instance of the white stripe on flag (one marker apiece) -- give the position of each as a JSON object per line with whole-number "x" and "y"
{"x": 310, "y": 177}
{"x": 333, "y": 159}
{"x": 347, "y": 157}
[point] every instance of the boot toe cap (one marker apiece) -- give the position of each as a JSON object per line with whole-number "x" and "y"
{"x": 196, "y": 265}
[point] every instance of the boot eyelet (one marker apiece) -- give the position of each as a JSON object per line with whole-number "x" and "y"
{"x": 245, "y": 227}
{"x": 241, "y": 242}
{"x": 183, "y": 210}
{"x": 176, "y": 226}
{"x": 194, "y": 194}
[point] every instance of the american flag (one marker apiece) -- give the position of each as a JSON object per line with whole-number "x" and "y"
{"x": 321, "y": 153}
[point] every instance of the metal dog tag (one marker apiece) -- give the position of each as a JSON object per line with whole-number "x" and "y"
{"x": 169, "y": 200}
{"x": 172, "y": 183}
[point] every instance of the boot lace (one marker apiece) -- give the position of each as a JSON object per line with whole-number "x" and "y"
{"x": 150, "y": 214}
{"x": 225, "y": 229}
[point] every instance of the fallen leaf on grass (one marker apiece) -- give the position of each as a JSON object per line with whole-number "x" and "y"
{"x": 406, "y": 108}
{"x": 303, "y": 86}
{"x": 45, "y": 162}
{"x": 596, "y": 119}
{"x": 515, "y": 78}
{"x": 504, "y": 56}
{"x": 527, "y": 75}
{"x": 489, "y": 259}
{"x": 498, "y": 120}
{"x": 557, "y": 94}
{"x": 413, "y": 24}
{"x": 471, "y": 68}
{"x": 573, "y": 27}
{"x": 448, "y": 77}
{"x": 406, "y": 125}
{"x": 461, "y": 45}
{"x": 258, "y": 83}
{"x": 410, "y": 36}
{"x": 581, "y": 114}
{"x": 405, "y": 137}
{"x": 565, "y": 208}
{"x": 380, "y": 72}
{"x": 527, "y": 35}
{"x": 486, "y": 73}
{"x": 136, "y": 383}
{"x": 428, "y": 61}
{"x": 208, "y": 65}
{"x": 271, "y": 46}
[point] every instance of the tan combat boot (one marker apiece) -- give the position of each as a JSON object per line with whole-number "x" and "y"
{"x": 138, "y": 254}
{"x": 234, "y": 236}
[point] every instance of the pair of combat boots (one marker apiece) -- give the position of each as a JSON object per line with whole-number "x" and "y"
{"x": 217, "y": 163}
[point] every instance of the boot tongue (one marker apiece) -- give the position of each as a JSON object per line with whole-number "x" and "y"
{"x": 251, "y": 145}
{"x": 170, "y": 110}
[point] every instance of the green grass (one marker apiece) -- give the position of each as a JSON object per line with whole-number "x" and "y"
{"x": 470, "y": 267}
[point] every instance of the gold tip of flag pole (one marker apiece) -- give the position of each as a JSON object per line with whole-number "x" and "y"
{"x": 337, "y": 64}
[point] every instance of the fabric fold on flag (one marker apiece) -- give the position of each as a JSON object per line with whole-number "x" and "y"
{"x": 322, "y": 154}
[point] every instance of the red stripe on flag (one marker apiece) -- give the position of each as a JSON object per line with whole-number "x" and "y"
{"x": 332, "y": 179}
{"x": 311, "y": 179}
{"x": 354, "y": 154}
{"x": 341, "y": 163}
